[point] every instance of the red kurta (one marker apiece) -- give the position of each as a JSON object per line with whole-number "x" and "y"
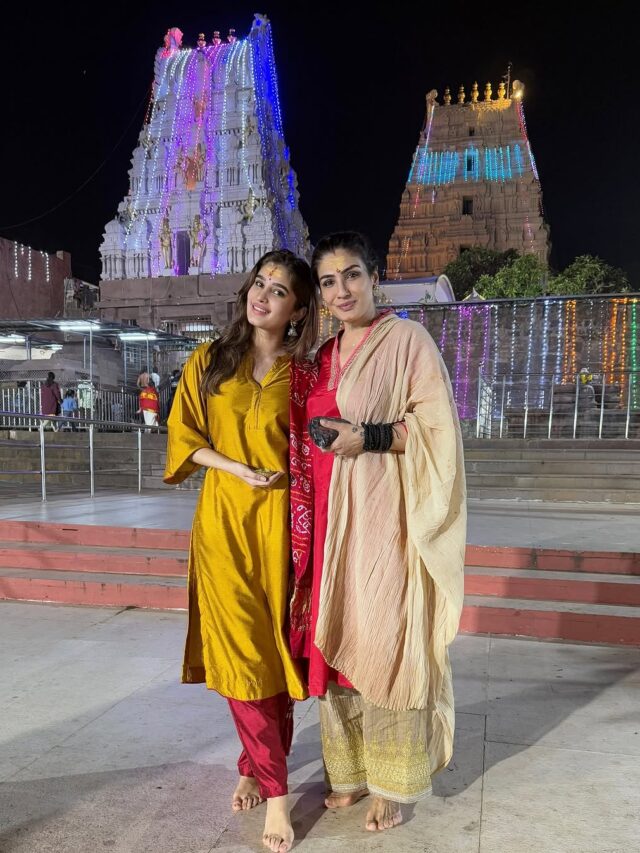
{"x": 321, "y": 403}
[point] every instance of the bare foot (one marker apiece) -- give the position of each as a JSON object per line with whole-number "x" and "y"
{"x": 342, "y": 801}
{"x": 383, "y": 814}
{"x": 278, "y": 832}
{"x": 246, "y": 795}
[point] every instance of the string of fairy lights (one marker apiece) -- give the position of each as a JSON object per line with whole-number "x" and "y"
{"x": 420, "y": 182}
{"x": 23, "y": 262}
{"x": 438, "y": 168}
{"x": 559, "y": 335}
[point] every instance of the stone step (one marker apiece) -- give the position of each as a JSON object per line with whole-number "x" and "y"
{"x": 584, "y": 495}
{"x": 103, "y": 590}
{"x": 540, "y": 585}
{"x": 553, "y": 465}
{"x": 553, "y": 444}
{"x": 105, "y": 559}
{"x": 553, "y": 481}
{"x": 535, "y": 454}
{"x": 551, "y": 620}
{"x": 540, "y": 593}
{"x": 557, "y": 620}
{"x": 64, "y": 534}
{"x": 8, "y": 453}
{"x": 81, "y": 438}
{"x": 481, "y": 557}
{"x": 93, "y": 535}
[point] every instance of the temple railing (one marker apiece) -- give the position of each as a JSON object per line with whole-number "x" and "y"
{"x": 603, "y": 405}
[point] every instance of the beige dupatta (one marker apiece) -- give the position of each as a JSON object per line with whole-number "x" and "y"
{"x": 392, "y": 585}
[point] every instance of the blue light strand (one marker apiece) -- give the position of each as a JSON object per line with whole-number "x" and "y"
{"x": 519, "y": 162}
{"x": 267, "y": 102}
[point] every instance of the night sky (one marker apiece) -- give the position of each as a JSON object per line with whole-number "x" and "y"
{"x": 352, "y": 86}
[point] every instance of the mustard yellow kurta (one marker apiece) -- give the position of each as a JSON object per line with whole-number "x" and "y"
{"x": 239, "y": 554}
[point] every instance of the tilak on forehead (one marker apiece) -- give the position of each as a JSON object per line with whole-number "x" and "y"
{"x": 269, "y": 272}
{"x": 344, "y": 269}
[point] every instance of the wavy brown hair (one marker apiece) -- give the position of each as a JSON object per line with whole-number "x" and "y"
{"x": 226, "y": 353}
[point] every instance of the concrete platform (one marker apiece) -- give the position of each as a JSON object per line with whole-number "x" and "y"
{"x": 101, "y": 748}
{"x": 534, "y": 524}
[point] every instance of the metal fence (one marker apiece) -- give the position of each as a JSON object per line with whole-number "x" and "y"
{"x": 25, "y": 460}
{"x": 543, "y": 406}
{"x": 19, "y": 400}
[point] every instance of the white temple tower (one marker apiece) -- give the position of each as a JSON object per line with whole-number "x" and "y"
{"x": 211, "y": 188}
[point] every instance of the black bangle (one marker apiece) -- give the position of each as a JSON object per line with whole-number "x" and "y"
{"x": 378, "y": 438}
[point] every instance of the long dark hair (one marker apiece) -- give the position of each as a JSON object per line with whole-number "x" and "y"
{"x": 351, "y": 241}
{"x": 226, "y": 353}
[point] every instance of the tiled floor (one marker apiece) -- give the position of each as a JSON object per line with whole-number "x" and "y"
{"x": 101, "y": 748}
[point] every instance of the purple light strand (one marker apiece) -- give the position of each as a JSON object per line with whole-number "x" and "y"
{"x": 469, "y": 321}
{"x": 458, "y": 364}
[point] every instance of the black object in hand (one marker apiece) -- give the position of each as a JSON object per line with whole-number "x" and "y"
{"x": 324, "y": 436}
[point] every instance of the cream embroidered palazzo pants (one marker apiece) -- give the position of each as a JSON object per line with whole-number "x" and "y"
{"x": 367, "y": 747}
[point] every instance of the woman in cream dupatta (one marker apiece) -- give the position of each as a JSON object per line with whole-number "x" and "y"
{"x": 378, "y": 595}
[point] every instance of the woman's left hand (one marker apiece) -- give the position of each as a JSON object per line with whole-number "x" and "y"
{"x": 350, "y": 440}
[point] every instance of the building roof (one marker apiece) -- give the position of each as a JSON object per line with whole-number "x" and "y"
{"x": 42, "y": 330}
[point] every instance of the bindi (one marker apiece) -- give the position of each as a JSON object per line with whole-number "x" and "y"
{"x": 269, "y": 273}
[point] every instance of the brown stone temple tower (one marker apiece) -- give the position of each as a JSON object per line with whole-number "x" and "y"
{"x": 473, "y": 182}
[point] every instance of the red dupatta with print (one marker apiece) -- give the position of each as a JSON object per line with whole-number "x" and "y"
{"x": 303, "y": 378}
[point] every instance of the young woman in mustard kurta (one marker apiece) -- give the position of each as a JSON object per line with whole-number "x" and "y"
{"x": 239, "y": 560}
{"x": 231, "y": 415}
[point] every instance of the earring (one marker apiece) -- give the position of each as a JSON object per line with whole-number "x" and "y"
{"x": 324, "y": 311}
{"x": 293, "y": 332}
{"x": 376, "y": 294}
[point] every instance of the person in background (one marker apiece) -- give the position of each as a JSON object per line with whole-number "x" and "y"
{"x": 150, "y": 404}
{"x": 50, "y": 399}
{"x": 143, "y": 377}
{"x": 155, "y": 376}
{"x": 70, "y": 409}
{"x": 173, "y": 386}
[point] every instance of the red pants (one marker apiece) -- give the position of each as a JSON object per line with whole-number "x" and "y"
{"x": 265, "y": 729}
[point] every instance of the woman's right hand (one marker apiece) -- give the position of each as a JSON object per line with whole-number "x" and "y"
{"x": 252, "y": 478}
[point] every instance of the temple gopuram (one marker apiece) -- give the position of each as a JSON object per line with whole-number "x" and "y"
{"x": 211, "y": 186}
{"x": 473, "y": 182}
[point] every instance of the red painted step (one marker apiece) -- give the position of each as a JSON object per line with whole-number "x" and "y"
{"x": 578, "y": 596}
{"x": 136, "y": 561}
{"x": 546, "y": 559}
{"x": 552, "y": 560}
{"x": 110, "y": 590}
{"x": 552, "y": 621}
{"x": 554, "y": 586}
{"x": 94, "y": 535}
